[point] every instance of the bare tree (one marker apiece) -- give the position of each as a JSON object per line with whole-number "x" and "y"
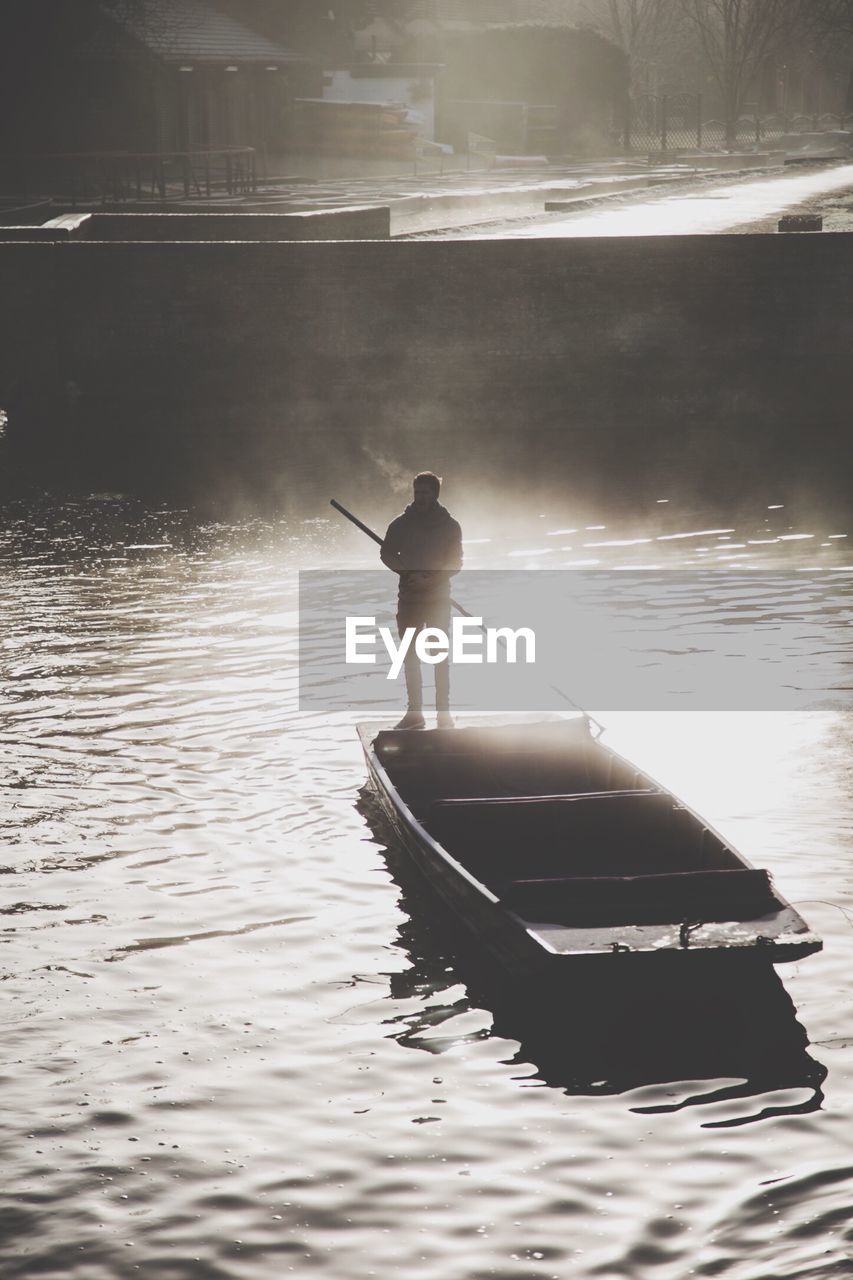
{"x": 737, "y": 36}
{"x": 832, "y": 17}
{"x": 830, "y": 29}
{"x": 643, "y": 29}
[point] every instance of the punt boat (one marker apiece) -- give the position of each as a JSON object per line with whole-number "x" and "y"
{"x": 555, "y": 851}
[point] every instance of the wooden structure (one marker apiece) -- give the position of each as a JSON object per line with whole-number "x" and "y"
{"x": 213, "y": 83}
{"x": 146, "y": 79}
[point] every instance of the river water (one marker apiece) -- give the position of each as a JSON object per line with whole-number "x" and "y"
{"x": 236, "y": 1042}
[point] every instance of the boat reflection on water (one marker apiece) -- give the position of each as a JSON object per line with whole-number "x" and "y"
{"x": 712, "y": 1040}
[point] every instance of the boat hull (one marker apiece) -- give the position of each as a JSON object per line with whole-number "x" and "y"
{"x": 531, "y": 949}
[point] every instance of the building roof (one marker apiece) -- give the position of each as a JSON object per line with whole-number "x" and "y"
{"x": 191, "y": 31}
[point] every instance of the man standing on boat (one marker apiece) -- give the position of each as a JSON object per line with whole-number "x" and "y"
{"x": 424, "y": 546}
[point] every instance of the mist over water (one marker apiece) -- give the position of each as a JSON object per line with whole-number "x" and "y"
{"x": 238, "y": 1041}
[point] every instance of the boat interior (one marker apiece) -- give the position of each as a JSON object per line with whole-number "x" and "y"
{"x": 563, "y": 829}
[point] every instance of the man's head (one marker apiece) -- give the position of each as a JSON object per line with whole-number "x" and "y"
{"x": 426, "y": 487}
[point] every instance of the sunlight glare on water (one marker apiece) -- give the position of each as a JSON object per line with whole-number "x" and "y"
{"x": 236, "y": 1047}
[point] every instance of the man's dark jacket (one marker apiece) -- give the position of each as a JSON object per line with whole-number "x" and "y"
{"x": 423, "y": 543}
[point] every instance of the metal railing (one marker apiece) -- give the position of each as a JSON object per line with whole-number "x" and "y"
{"x": 672, "y": 122}
{"x": 665, "y": 122}
{"x": 121, "y": 176}
{"x": 481, "y": 150}
{"x": 429, "y": 157}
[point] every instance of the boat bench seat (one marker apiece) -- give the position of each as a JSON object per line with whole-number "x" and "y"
{"x": 738, "y": 894}
{"x": 610, "y": 833}
{"x": 423, "y": 783}
{"x": 459, "y": 803}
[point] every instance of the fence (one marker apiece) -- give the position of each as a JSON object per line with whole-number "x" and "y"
{"x": 673, "y": 122}
{"x": 429, "y": 156}
{"x": 115, "y": 177}
{"x": 665, "y": 122}
{"x": 482, "y": 149}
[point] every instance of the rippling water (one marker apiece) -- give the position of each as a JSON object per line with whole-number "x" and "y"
{"x": 236, "y": 1045}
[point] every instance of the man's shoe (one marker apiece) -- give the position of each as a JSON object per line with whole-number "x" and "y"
{"x": 444, "y": 720}
{"x": 411, "y": 720}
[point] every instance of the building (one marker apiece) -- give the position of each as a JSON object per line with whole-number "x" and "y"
{"x": 199, "y": 78}
{"x": 146, "y": 76}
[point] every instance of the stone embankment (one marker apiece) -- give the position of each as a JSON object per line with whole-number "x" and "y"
{"x": 373, "y": 209}
{"x": 612, "y": 363}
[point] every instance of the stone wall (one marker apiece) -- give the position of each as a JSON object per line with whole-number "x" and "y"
{"x": 353, "y": 222}
{"x": 357, "y": 222}
{"x": 720, "y": 363}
